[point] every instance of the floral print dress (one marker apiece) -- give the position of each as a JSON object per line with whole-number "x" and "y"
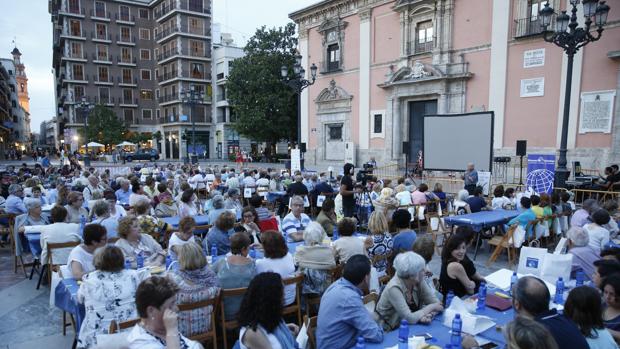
{"x": 382, "y": 244}
{"x": 106, "y": 296}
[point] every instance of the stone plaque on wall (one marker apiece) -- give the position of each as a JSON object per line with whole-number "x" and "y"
{"x": 596, "y": 111}
{"x": 534, "y": 58}
{"x": 533, "y": 87}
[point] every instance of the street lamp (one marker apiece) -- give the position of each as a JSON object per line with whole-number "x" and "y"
{"x": 86, "y": 107}
{"x": 571, "y": 41}
{"x": 192, "y": 97}
{"x": 298, "y": 83}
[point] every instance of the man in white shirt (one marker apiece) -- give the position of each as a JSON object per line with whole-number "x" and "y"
{"x": 296, "y": 221}
{"x": 92, "y": 187}
{"x": 197, "y": 181}
{"x": 249, "y": 181}
{"x": 232, "y": 181}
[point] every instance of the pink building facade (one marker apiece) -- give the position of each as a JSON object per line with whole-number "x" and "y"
{"x": 385, "y": 64}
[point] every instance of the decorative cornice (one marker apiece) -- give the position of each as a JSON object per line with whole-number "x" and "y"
{"x": 365, "y": 14}
{"x": 314, "y": 14}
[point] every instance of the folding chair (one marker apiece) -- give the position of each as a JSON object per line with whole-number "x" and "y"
{"x": 50, "y": 266}
{"x": 229, "y": 325}
{"x": 296, "y": 306}
{"x": 123, "y": 325}
{"x": 211, "y": 334}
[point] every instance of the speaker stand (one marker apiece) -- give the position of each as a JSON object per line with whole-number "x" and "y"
{"x": 521, "y": 171}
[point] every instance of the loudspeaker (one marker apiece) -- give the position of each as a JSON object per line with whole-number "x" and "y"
{"x": 302, "y": 147}
{"x": 406, "y": 148}
{"x": 521, "y": 148}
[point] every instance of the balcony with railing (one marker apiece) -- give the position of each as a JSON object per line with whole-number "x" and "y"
{"x": 100, "y": 15}
{"x": 101, "y": 58}
{"x": 125, "y": 40}
{"x": 103, "y": 80}
{"x": 168, "y": 98}
{"x": 120, "y": 60}
{"x": 167, "y": 54}
{"x": 124, "y": 18}
{"x": 185, "y": 5}
{"x": 74, "y": 56}
{"x": 525, "y": 27}
{"x": 415, "y": 47}
{"x": 182, "y": 29}
{"x": 72, "y": 11}
{"x": 126, "y": 81}
{"x": 330, "y": 67}
{"x": 128, "y": 102}
{"x": 100, "y": 37}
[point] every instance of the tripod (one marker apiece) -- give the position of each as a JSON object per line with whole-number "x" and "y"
{"x": 363, "y": 211}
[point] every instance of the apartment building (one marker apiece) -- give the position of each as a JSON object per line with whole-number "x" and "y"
{"x": 135, "y": 57}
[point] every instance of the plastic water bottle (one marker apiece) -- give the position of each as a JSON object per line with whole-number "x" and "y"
{"x": 457, "y": 325}
{"x": 580, "y": 276}
{"x": 335, "y": 234}
{"x": 168, "y": 261}
{"x": 214, "y": 251}
{"x": 403, "y": 334}
{"x": 82, "y": 224}
{"x": 140, "y": 260}
{"x": 127, "y": 264}
{"x": 559, "y": 291}
{"x": 482, "y": 296}
{"x": 513, "y": 281}
{"x": 252, "y": 253}
{"x": 361, "y": 343}
{"x": 449, "y": 298}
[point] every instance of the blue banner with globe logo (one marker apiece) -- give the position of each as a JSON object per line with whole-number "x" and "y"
{"x": 540, "y": 173}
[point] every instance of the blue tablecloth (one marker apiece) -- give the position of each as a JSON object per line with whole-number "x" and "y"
{"x": 66, "y": 299}
{"x": 274, "y": 195}
{"x": 34, "y": 242}
{"x": 441, "y": 334}
{"x": 483, "y": 219}
{"x": 174, "y": 221}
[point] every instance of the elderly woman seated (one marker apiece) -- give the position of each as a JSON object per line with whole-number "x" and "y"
{"x": 584, "y": 255}
{"x": 134, "y": 243}
{"x": 32, "y": 217}
{"x": 407, "y": 296}
{"x": 75, "y": 209}
{"x": 80, "y": 260}
{"x": 314, "y": 260}
{"x": 216, "y": 209}
{"x": 166, "y": 207}
{"x": 220, "y": 233}
{"x": 101, "y": 212}
{"x": 148, "y": 224}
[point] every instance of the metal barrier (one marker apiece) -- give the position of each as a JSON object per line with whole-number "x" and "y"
{"x": 388, "y": 172}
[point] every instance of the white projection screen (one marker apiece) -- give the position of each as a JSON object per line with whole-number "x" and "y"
{"x": 454, "y": 140}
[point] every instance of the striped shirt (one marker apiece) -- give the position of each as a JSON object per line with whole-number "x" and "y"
{"x": 291, "y": 224}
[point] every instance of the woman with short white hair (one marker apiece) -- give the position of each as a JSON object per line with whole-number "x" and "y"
{"x": 584, "y": 255}
{"x": 460, "y": 202}
{"x": 407, "y": 296}
{"x": 315, "y": 259}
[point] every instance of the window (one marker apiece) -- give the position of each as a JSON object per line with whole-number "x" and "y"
{"x": 76, "y": 50}
{"x": 21, "y": 87}
{"x": 125, "y": 55}
{"x": 196, "y": 48}
{"x": 78, "y": 72}
{"x": 157, "y": 114}
{"x": 143, "y": 13}
{"x": 11, "y": 72}
{"x": 103, "y": 74}
{"x": 197, "y": 71}
{"x": 100, "y": 9}
{"x": 104, "y": 95}
{"x": 195, "y": 5}
{"x": 145, "y": 74}
{"x": 423, "y": 37}
{"x": 146, "y": 94}
{"x": 377, "y": 123}
{"x": 145, "y": 55}
{"x": 124, "y": 13}
{"x": 126, "y": 73}
{"x": 75, "y": 27}
{"x": 127, "y": 96}
{"x": 78, "y": 93}
{"x": 147, "y": 114}
{"x": 195, "y": 25}
{"x": 125, "y": 34}
{"x": 534, "y": 6}
{"x": 128, "y": 115}
{"x": 157, "y": 93}
{"x": 102, "y": 31}
{"x": 74, "y": 6}
{"x": 333, "y": 55}
{"x": 102, "y": 52}
{"x": 335, "y": 132}
{"x": 145, "y": 34}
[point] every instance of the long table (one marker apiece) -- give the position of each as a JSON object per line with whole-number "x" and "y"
{"x": 66, "y": 299}
{"x": 174, "y": 221}
{"x": 482, "y": 220}
{"x": 441, "y": 334}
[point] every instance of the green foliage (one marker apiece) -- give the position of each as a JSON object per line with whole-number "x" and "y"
{"x": 103, "y": 126}
{"x": 266, "y": 107}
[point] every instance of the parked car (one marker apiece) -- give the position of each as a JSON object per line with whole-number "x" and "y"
{"x": 141, "y": 154}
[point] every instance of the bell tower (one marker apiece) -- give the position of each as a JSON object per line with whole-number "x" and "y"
{"x": 22, "y": 80}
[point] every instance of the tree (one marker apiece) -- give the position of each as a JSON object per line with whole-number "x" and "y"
{"x": 103, "y": 126}
{"x": 266, "y": 108}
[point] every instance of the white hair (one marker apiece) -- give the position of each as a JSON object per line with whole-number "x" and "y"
{"x": 297, "y": 200}
{"x": 31, "y": 203}
{"x": 578, "y": 236}
{"x": 408, "y": 264}
{"x": 462, "y": 195}
{"x": 313, "y": 234}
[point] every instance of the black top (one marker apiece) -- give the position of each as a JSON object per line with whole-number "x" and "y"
{"x": 447, "y": 283}
{"x": 476, "y": 203}
{"x": 297, "y": 188}
{"x": 348, "y": 200}
{"x": 563, "y": 330}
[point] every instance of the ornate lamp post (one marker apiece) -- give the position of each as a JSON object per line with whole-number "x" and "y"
{"x": 192, "y": 97}
{"x": 86, "y": 107}
{"x": 571, "y": 38}
{"x": 298, "y": 83}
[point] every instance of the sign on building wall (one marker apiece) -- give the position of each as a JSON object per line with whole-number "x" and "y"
{"x": 596, "y": 111}
{"x": 533, "y": 87}
{"x": 534, "y": 58}
{"x": 295, "y": 160}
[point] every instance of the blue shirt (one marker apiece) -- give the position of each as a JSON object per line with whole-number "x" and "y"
{"x": 523, "y": 218}
{"x": 123, "y": 196}
{"x": 403, "y": 241}
{"x": 290, "y": 223}
{"x": 219, "y": 238}
{"x": 110, "y": 224}
{"x": 343, "y": 317}
{"x": 52, "y": 196}
{"x": 15, "y": 205}
{"x": 563, "y": 330}
{"x": 476, "y": 203}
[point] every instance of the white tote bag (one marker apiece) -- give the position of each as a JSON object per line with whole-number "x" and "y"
{"x": 531, "y": 260}
{"x": 555, "y": 266}
{"x": 518, "y": 236}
